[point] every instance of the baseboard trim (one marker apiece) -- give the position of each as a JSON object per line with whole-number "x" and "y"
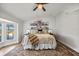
{"x": 70, "y": 49}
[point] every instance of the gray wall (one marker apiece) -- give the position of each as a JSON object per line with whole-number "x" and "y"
{"x": 8, "y": 16}
{"x": 50, "y": 20}
{"x": 67, "y": 27}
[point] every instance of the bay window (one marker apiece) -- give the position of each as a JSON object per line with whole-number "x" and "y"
{"x": 8, "y": 31}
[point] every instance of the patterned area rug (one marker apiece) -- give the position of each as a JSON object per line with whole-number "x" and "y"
{"x": 59, "y": 51}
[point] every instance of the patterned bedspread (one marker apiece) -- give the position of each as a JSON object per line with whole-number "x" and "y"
{"x": 39, "y": 41}
{"x": 34, "y": 40}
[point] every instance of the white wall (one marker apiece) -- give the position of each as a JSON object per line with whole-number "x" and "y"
{"x": 67, "y": 27}
{"x": 10, "y": 17}
{"x": 50, "y": 20}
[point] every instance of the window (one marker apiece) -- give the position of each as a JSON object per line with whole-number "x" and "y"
{"x": 8, "y": 31}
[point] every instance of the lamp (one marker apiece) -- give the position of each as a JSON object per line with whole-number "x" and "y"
{"x": 40, "y": 6}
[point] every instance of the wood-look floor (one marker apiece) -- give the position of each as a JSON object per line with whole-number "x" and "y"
{"x": 61, "y": 50}
{"x": 5, "y": 50}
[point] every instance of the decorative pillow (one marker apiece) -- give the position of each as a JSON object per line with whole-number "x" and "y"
{"x": 45, "y": 31}
{"x": 33, "y": 31}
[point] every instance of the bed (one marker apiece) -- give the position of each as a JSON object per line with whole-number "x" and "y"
{"x": 39, "y": 37}
{"x": 46, "y": 41}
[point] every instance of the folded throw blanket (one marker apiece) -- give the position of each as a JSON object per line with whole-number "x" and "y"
{"x": 33, "y": 39}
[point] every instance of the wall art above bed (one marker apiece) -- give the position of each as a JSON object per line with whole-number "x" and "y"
{"x": 40, "y": 26}
{"x": 40, "y": 23}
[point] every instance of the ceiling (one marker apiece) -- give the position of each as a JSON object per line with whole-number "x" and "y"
{"x": 24, "y": 11}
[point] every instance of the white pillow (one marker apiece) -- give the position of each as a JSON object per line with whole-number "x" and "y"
{"x": 50, "y": 31}
{"x": 27, "y": 31}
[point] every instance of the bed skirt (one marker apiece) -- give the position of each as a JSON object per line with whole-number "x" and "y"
{"x": 40, "y": 47}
